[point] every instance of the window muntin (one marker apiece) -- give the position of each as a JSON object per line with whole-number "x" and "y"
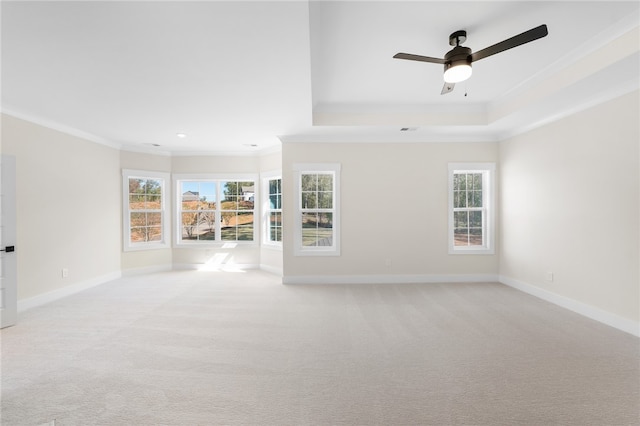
{"x": 236, "y": 210}
{"x": 274, "y": 211}
{"x": 317, "y": 209}
{"x": 145, "y": 224}
{"x": 469, "y": 212}
{"x": 471, "y": 206}
{"x": 216, "y": 210}
{"x": 198, "y": 211}
{"x": 317, "y": 230}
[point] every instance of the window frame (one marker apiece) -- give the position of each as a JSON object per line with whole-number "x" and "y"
{"x": 488, "y": 171}
{"x": 316, "y": 168}
{"x": 165, "y": 241}
{"x": 266, "y": 210}
{"x": 216, "y": 178}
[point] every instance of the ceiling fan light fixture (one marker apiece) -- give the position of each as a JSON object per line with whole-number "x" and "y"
{"x": 457, "y": 72}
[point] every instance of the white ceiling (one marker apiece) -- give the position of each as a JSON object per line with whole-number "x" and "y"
{"x": 240, "y": 77}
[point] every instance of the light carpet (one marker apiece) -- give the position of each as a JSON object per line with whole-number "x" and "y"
{"x": 224, "y": 348}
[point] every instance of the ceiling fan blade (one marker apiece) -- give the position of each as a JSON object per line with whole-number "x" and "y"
{"x": 515, "y": 41}
{"x": 447, "y": 88}
{"x": 420, "y": 58}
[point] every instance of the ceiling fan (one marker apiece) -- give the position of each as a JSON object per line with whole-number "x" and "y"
{"x": 457, "y": 62}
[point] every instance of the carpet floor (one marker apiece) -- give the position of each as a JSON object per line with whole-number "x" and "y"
{"x": 225, "y": 348}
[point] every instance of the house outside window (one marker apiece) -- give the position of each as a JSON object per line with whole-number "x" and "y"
{"x": 317, "y": 218}
{"x": 471, "y": 208}
{"x": 145, "y": 222}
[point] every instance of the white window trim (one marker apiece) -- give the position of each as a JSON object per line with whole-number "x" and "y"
{"x": 489, "y": 200}
{"x": 298, "y": 170}
{"x": 218, "y": 177}
{"x": 126, "y": 218}
{"x": 265, "y": 177}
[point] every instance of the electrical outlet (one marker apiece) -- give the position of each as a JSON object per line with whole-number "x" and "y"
{"x": 65, "y": 273}
{"x": 550, "y": 276}
{"x": 388, "y": 263}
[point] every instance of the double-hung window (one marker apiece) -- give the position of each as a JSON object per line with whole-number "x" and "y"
{"x": 317, "y": 219}
{"x": 146, "y": 225}
{"x": 272, "y": 209}
{"x": 212, "y": 209}
{"x": 471, "y": 208}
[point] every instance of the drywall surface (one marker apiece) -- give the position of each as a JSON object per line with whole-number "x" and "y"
{"x": 68, "y": 207}
{"x": 569, "y": 208}
{"x": 394, "y": 212}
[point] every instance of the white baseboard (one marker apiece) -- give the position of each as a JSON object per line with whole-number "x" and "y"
{"x": 388, "y": 279}
{"x": 50, "y": 296}
{"x": 623, "y": 324}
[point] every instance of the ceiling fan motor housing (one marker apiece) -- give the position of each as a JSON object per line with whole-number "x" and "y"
{"x": 459, "y": 55}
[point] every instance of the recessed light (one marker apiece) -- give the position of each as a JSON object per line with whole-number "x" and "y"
{"x": 181, "y": 135}
{"x": 252, "y": 145}
{"x": 408, "y": 129}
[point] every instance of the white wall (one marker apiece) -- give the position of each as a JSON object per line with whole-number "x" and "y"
{"x": 68, "y": 207}
{"x": 394, "y": 206}
{"x": 570, "y": 195}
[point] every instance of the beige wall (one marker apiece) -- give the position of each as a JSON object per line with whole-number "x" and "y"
{"x": 570, "y": 195}
{"x": 68, "y": 207}
{"x": 394, "y": 207}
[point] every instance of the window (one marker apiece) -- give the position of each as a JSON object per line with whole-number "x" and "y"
{"x": 317, "y": 217}
{"x": 213, "y": 210}
{"x": 471, "y": 207}
{"x": 272, "y": 210}
{"x": 144, "y": 199}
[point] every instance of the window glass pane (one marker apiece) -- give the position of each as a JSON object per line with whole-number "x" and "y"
{"x": 189, "y": 224}
{"x": 475, "y": 219}
{"x": 461, "y": 237}
{"x": 309, "y": 182}
{"x": 137, "y": 201}
{"x": 475, "y": 198}
{"x": 228, "y": 218}
{"x": 153, "y": 186}
{"x": 155, "y": 233}
{"x": 138, "y": 219}
{"x": 309, "y": 229}
{"x": 153, "y": 202}
{"x": 325, "y": 200}
{"x": 245, "y": 204}
{"x": 325, "y": 182}
{"x": 477, "y": 181}
{"x": 245, "y": 226}
{"x": 275, "y": 201}
{"x": 475, "y": 237}
{"x": 309, "y": 200}
{"x": 138, "y": 235}
{"x": 154, "y": 219}
{"x": 230, "y": 202}
{"x": 460, "y": 219}
{"x": 136, "y": 186}
{"x": 462, "y": 181}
